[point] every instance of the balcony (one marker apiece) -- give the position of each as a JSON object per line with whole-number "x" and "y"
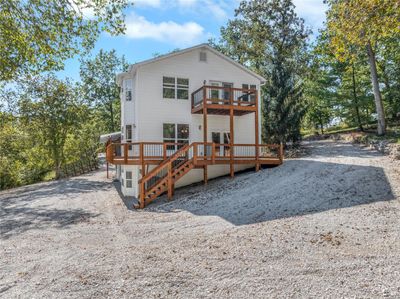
{"x": 219, "y": 100}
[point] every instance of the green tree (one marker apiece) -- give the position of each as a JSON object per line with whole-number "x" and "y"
{"x": 51, "y": 109}
{"x": 98, "y": 77}
{"x": 38, "y": 35}
{"x": 270, "y": 38}
{"x": 364, "y": 24}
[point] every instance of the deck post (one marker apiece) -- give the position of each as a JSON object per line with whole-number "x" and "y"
{"x": 141, "y": 196}
{"x": 194, "y": 153}
{"x": 231, "y": 125}
{"x": 107, "y": 170}
{"x": 256, "y": 137}
{"x": 205, "y": 134}
{"x": 142, "y": 159}
{"x": 126, "y": 153}
{"x": 170, "y": 185}
{"x": 165, "y": 151}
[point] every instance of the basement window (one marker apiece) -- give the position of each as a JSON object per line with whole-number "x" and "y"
{"x": 128, "y": 176}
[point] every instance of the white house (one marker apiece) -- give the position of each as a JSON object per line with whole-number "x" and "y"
{"x": 185, "y": 117}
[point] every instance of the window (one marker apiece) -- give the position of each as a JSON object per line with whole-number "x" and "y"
{"x": 246, "y": 96}
{"x": 182, "y": 89}
{"x": 175, "y": 88}
{"x": 214, "y": 93}
{"x": 203, "y": 56}
{"x": 128, "y": 89}
{"x": 175, "y": 133}
{"x": 128, "y": 176}
{"x": 169, "y": 88}
{"x": 128, "y": 133}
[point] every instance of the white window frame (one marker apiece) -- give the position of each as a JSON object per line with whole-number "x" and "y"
{"x": 175, "y": 86}
{"x": 126, "y": 133}
{"x": 128, "y": 181}
{"x": 176, "y": 139}
{"x": 252, "y": 97}
{"x": 128, "y": 90}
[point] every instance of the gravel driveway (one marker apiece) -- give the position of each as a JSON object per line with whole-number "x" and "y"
{"x": 326, "y": 225}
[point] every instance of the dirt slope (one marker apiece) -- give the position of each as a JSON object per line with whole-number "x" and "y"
{"x": 326, "y": 225}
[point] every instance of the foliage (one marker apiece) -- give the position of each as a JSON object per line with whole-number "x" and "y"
{"x": 100, "y": 88}
{"x": 363, "y": 24}
{"x": 269, "y": 37}
{"x": 51, "y": 109}
{"x": 39, "y": 35}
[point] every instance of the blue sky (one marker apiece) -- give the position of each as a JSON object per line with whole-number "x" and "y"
{"x": 159, "y": 26}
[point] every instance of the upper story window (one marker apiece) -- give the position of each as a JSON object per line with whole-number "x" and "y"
{"x": 246, "y": 96}
{"x": 175, "y": 88}
{"x": 128, "y": 89}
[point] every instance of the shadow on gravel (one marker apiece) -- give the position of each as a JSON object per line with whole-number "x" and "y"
{"x": 296, "y": 188}
{"x": 22, "y": 210}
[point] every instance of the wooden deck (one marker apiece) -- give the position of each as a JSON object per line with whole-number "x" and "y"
{"x": 217, "y": 100}
{"x": 153, "y": 153}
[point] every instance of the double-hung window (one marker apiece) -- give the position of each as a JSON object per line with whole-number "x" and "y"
{"x": 128, "y": 89}
{"x": 128, "y": 175}
{"x": 175, "y": 88}
{"x": 246, "y": 97}
{"x": 175, "y": 133}
{"x": 128, "y": 133}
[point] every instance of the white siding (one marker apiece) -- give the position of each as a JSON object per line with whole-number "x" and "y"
{"x": 150, "y": 110}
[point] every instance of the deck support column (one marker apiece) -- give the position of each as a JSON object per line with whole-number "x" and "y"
{"x": 256, "y": 130}
{"x": 205, "y": 129}
{"x": 232, "y": 132}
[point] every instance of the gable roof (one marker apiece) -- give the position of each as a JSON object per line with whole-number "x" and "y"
{"x": 134, "y": 67}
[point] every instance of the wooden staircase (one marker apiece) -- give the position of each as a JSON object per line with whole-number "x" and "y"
{"x": 163, "y": 178}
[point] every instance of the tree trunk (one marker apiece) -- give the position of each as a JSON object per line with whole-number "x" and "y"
{"x": 112, "y": 117}
{"x": 356, "y": 99}
{"x": 377, "y": 93}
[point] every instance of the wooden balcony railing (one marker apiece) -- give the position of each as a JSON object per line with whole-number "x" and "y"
{"x": 141, "y": 153}
{"x": 217, "y": 95}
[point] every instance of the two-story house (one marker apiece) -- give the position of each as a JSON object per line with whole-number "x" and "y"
{"x": 187, "y": 116}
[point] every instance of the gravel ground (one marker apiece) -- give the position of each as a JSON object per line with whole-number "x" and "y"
{"x": 325, "y": 225}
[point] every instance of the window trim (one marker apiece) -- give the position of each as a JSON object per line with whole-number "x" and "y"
{"x": 176, "y": 133}
{"x": 252, "y": 97}
{"x": 176, "y": 87}
{"x": 129, "y": 180}
{"x": 128, "y": 90}
{"x": 126, "y": 132}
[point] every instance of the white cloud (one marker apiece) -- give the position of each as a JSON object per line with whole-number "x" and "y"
{"x": 216, "y": 9}
{"x": 313, "y": 11}
{"x": 138, "y": 27}
{"x": 151, "y": 3}
{"x": 207, "y": 7}
{"x": 187, "y": 3}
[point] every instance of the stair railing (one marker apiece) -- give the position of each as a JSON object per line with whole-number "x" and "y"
{"x": 163, "y": 172}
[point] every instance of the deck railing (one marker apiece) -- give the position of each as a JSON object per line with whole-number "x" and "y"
{"x": 218, "y": 95}
{"x": 156, "y": 152}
